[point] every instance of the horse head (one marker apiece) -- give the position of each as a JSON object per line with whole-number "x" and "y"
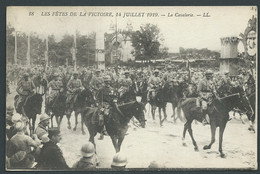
{"x": 244, "y": 105}
{"x": 138, "y": 111}
{"x": 87, "y": 96}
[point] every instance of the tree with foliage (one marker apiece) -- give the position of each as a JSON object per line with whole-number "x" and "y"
{"x": 147, "y": 42}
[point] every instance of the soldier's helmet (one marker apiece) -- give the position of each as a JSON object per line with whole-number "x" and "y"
{"x": 26, "y": 75}
{"x": 97, "y": 70}
{"x": 55, "y": 75}
{"x": 88, "y": 150}
{"x": 208, "y": 72}
{"x": 75, "y": 73}
{"x": 119, "y": 160}
{"x": 156, "y": 71}
{"x": 126, "y": 72}
{"x": 226, "y": 72}
{"x": 107, "y": 79}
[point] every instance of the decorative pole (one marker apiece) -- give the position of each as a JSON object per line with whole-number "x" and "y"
{"x": 28, "y": 58}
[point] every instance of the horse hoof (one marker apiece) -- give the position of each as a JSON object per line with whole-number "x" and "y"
{"x": 222, "y": 155}
{"x": 206, "y": 147}
{"x": 83, "y": 133}
{"x": 69, "y": 127}
{"x": 196, "y": 149}
{"x": 184, "y": 144}
{"x": 74, "y": 129}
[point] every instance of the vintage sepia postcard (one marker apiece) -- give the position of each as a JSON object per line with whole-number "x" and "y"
{"x": 131, "y": 88}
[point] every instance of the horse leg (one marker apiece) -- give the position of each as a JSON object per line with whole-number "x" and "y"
{"x": 92, "y": 137}
{"x": 221, "y": 132}
{"x": 160, "y": 116}
{"x": 173, "y": 113}
{"x": 33, "y": 124}
{"x": 68, "y": 117}
{"x": 57, "y": 121}
{"x": 192, "y": 138}
{"x": 179, "y": 113}
{"x": 213, "y": 133}
{"x": 153, "y": 111}
{"x": 164, "y": 113}
{"x": 120, "y": 141}
{"x": 76, "y": 121}
{"x": 184, "y": 133}
{"x": 115, "y": 143}
{"x": 82, "y": 124}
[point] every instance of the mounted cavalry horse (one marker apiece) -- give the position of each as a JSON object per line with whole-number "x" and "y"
{"x": 84, "y": 99}
{"x": 30, "y": 108}
{"x": 218, "y": 113}
{"x": 58, "y": 107}
{"x": 116, "y": 122}
{"x": 159, "y": 100}
{"x": 174, "y": 93}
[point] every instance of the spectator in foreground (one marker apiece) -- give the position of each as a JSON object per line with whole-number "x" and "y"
{"x": 119, "y": 161}
{"x": 89, "y": 158}
{"x": 51, "y": 156}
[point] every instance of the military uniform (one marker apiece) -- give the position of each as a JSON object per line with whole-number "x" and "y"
{"x": 24, "y": 89}
{"x": 125, "y": 83}
{"x": 40, "y": 131}
{"x": 73, "y": 86}
{"x": 154, "y": 83}
{"x": 205, "y": 91}
{"x": 226, "y": 84}
{"x": 96, "y": 84}
{"x": 56, "y": 87}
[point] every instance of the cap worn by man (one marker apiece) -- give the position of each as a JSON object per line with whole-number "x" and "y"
{"x": 53, "y": 132}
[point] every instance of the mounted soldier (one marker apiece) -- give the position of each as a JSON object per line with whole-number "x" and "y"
{"x": 125, "y": 83}
{"x": 154, "y": 83}
{"x": 25, "y": 88}
{"x": 96, "y": 82}
{"x": 105, "y": 101}
{"x": 205, "y": 91}
{"x": 74, "y": 86}
{"x": 54, "y": 88}
{"x": 105, "y": 97}
{"x": 226, "y": 84}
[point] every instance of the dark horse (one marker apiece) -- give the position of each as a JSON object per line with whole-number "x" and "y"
{"x": 116, "y": 123}
{"x": 84, "y": 99}
{"x": 31, "y": 108}
{"x": 57, "y": 108}
{"x": 159, "y": 100}
{"x": 174, "y": 93}
{"x": 218, "y": 113}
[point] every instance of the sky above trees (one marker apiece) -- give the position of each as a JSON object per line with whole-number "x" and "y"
{"x": 188, "y": 32}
